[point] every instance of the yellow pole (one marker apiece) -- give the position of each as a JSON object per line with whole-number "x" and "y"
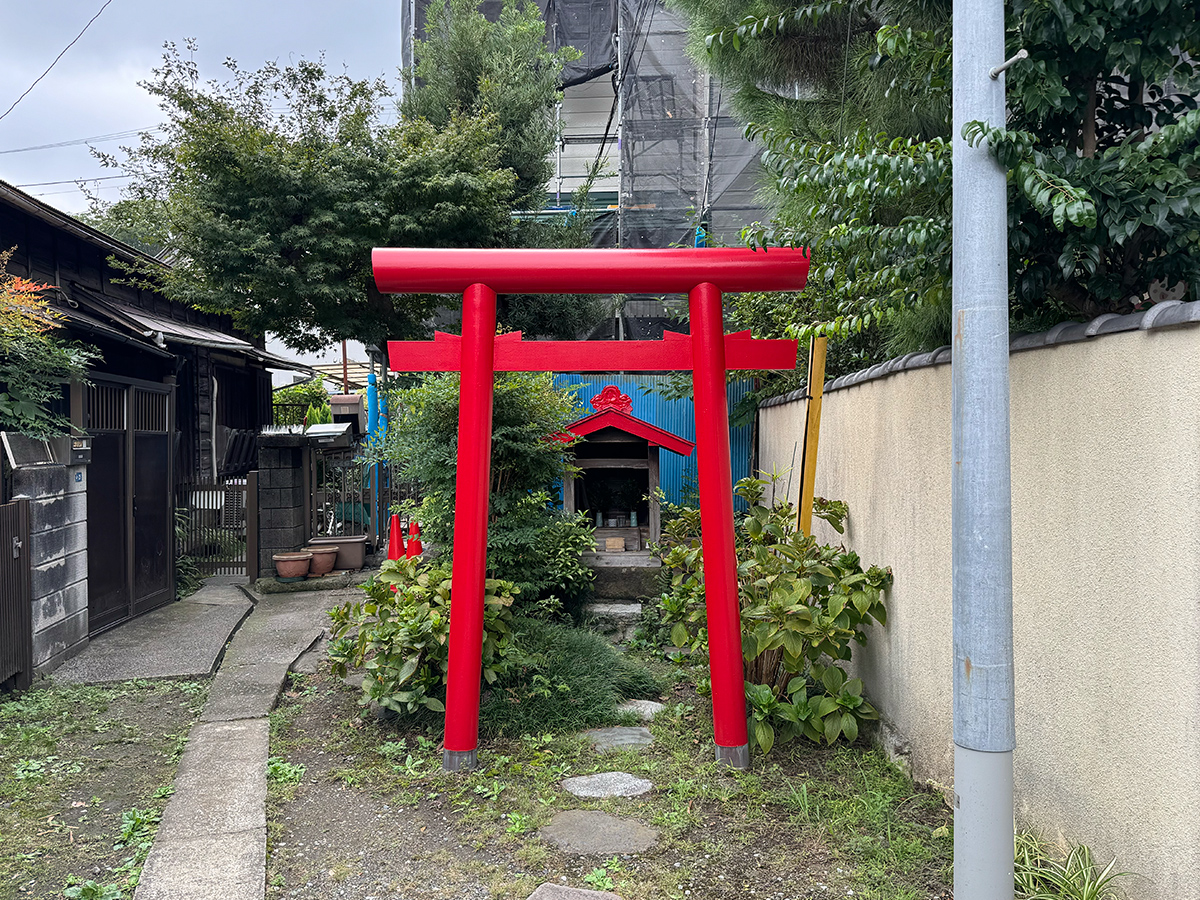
{"x": 812, "y": 431}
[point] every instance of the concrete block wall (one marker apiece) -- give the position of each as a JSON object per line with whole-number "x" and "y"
{"x": 58, "y": 555}
{"x": 281, "y": 525}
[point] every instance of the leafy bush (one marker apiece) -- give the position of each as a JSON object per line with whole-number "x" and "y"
{"x": 541, "y": 675}
{"x": 571, "y": 679}
{"x": 803, "y": 605}
{"x": 531, "y": 544}
{"x": 34, "y": 364}
{"x": 399, "y": 635}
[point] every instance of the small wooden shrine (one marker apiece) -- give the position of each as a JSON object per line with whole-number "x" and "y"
{"x": 619, "y": 459}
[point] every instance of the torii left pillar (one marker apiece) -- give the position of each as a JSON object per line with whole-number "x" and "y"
{"x": 708, "y": 352}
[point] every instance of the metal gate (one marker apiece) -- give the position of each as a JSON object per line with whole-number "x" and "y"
{"x": 217, "y": 525}
{"x": 16, "y": 626}
{"x": 347, "y": 495}
{"x": 130, "y": 564}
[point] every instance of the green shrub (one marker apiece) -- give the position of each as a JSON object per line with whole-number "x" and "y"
{"x": 540, "y": 675}
{"x": 570, "y": 679}
{"x": 802, "y": 607}
{"x": 530, "y": 543}
{"x": 401, "y": 638}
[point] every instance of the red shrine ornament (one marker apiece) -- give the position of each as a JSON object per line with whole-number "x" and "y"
{"x": 612, "y": 398}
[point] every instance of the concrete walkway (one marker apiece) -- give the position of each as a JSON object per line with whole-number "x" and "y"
{"x": 212, "y": 841}
{"x": 179, "y": 640}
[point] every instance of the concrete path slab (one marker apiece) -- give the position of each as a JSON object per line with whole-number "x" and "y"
{"x": 221, "y": 784}
{"x": 244, "y": 692}
{"x": 207, "y": 867}
{"x": 211, "y": 843}
{"x": 179, "y": 640}
{"x": 591, "y": 833}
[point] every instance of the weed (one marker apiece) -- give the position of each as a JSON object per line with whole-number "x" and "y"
{"x": 599, "y": 879}
{"x": 33, "y": 769}
{"x": 519, "y": 823}
{"x": 1042, "y": 875}
{"x": 280, "y": 771}
{"x": 136, "y": 826}
{"x": 91, "y": 890}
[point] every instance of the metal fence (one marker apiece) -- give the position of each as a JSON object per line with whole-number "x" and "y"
{"x": 16, "y": 627}
{"x": 217, "y": 525}
{"x": 349, "y": 496}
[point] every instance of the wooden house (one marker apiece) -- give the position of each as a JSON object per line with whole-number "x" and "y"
{"x": 175, "y": 400}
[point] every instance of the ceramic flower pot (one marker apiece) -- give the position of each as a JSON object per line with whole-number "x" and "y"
{"x": 292, "y": 565}
{"x": 323, "y": 558}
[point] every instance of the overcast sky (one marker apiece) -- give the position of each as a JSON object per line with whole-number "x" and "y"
{"x": 93, "y": 89}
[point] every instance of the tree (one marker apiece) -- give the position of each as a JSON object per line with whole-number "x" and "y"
{"x": 529, "y": 542}
{"x": 470, "y": 67}
{"x": 855, "y": 124}
{"x": 1102, "y": 143}
{"x": 34, "y": 364}
{"x": 266, "y": 192}
{"x": 270, "y": 216}
{"x": 1101, "y": 147}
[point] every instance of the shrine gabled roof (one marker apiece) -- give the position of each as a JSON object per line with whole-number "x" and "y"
{"x": 614, "y": 418}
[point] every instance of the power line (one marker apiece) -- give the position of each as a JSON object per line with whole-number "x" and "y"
{"x": 96, "y": 139}
{"x": 71, "y": 181}
{"x": 56, "y": 59}
{"x": 103, "y": 187}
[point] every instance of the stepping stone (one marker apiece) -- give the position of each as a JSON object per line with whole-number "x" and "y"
{"x": 619, "y": 737}
{"x": 645, "y": 709}
{"x": 592, "y": 833}
{"x": 551, "y": 891}
{"x": 608, "y": 784}
{"x": 615, "y": 619}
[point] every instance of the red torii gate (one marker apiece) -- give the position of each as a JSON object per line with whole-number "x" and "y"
{"x": 703, "y": 274}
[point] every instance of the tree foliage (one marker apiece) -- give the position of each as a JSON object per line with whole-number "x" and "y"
{"x": 529, "y": 542}
{"x": 267, "y": 191}
{"x": 851, "y": 103}
{"x": 470, "y": 67}
{"x": 34, "y": 363}
{"x": 269, "y": 216}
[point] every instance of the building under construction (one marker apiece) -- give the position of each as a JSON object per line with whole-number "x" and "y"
{"x": 678, "y": 170}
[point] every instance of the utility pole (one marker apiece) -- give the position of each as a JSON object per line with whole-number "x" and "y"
{"x": 981, "y": 497}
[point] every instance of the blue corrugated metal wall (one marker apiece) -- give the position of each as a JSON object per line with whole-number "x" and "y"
{"x": 675, "y": 416}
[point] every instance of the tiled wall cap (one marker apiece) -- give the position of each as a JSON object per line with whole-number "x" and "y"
{"x": 1161, "y": 315}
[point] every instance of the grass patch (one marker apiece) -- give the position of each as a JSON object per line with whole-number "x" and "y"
{"x": 805, "y": 821}
{"x": 575, "y": 682}
{"x": 85, "y": 772}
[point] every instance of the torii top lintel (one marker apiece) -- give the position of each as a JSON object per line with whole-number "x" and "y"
{"x": 589, "y": 271}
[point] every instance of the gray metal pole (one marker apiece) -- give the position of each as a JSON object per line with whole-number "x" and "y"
{"x": 981, "y": 503}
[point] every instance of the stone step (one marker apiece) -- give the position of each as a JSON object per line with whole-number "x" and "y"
{"x": 627, "y": 559}
{"x": 586, "y": 832}
{"x": 551, "y": 891}
{"x": 615, "y": 619}
{"x": 645, "y": 710}
{"x": 619, "y": 737}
